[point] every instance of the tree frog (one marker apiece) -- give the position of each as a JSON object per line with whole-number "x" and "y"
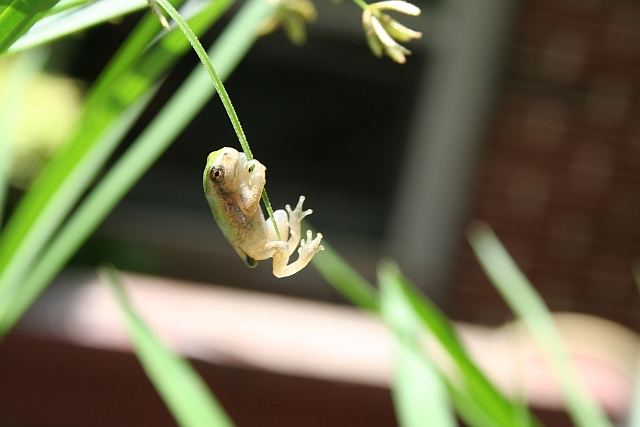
{"x": 233, "y": 186}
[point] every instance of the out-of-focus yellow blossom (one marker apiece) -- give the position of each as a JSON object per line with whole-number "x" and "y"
{"x": 47, "y": 110}
{"x": 292, "y": 15}
{"x": 383, "y": 32}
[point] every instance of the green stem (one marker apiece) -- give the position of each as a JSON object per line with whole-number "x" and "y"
{"x": 361, "y": 3}
{"x": 222, "y": 92}
{"x": 208, "y": 66}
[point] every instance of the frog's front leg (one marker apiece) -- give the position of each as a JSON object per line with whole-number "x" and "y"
{"x": 284, "y": 250}
{"x": 252, "y": 184}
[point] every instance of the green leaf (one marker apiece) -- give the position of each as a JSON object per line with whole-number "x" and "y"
{"x": 529, "y": 307}
{"x": 419, "y": 393}
{"x": 193, "y": 94}
{"x": 77, "y": 19}
{"x": 474, "y": 396}
{"x": 345, "y": 279}
{"x": 70, "y": 171}
{"x": 63, "y": 5}
{"x": 476, "y": 399}
{"x": 180, "y": 387}
{"x": 16, "y": 299}
{"x": 130, "y": 76}
{"x": 17, "y": 16}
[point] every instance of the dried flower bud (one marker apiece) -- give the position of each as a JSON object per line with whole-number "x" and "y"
{"x": 292, "y": 16}
{"x": 383, "y": 32}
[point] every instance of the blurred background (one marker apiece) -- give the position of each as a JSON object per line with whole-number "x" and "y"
{"x": 521, "y": 114}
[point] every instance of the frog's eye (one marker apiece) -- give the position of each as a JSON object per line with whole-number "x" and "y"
{"x": 216, "y": 173}
{"x": 251, "y": 168}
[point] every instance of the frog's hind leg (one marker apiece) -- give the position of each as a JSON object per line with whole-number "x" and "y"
{"x": 308, "y": 247}
{"x": 283, "y": 226}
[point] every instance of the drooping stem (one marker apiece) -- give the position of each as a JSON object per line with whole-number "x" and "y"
{"x": 224, "y": 96}
{"x": 208, "y": 66}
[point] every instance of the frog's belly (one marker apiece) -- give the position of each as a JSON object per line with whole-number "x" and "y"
{"x": 249, "y": 237}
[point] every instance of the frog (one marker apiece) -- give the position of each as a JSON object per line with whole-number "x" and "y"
{"x": 233, "y": 186}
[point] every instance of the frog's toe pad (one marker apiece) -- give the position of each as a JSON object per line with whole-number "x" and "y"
{"x": 298, "y": 213}
{"x": 310, "y": 246}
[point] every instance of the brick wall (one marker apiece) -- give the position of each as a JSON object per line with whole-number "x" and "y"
{"x": 560, "y": 176}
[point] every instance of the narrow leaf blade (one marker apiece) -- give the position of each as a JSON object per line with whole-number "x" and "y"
{"x": 529, "y": 307}
{"x": 420, "y": 395}
{"x": 68, "y": 22}
{"x": 477, "y": 400}
{"x": 180, "y": 387}
{"x": 18, "y": 16}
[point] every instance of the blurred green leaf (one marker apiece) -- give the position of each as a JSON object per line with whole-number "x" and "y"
{"x": 77, "y": 19}
{"x": 17, "y": 16}
{"x": 70, "y": 171}
{"x": 345, "y": 279}
{"x": 129, "y": 76}
{"x": 230, "y": 47}
{"x": 63, "y": 5}
{"x": 529, "y": 307}
{"x": 474, "y": 396}
{"x": 180, "y": 387}
{"x": 16, "y": 299}
{"x": 419, "y": 393}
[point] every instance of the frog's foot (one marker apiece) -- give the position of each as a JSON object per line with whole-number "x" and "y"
{"x": 297, "y": 215}
{"x": 308, "y": 248}
{"x": 295, "y": 219}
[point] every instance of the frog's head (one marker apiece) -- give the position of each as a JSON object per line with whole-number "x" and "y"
{"x": 221, "y": 171}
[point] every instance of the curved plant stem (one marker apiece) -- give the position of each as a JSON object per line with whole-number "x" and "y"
{"x": 208, "y": 66}
{"x": 224, "y": 96}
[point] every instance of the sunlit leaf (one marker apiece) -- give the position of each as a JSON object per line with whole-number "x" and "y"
{"x": 71, "y": 21}
{"x": 17, "y": 16}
